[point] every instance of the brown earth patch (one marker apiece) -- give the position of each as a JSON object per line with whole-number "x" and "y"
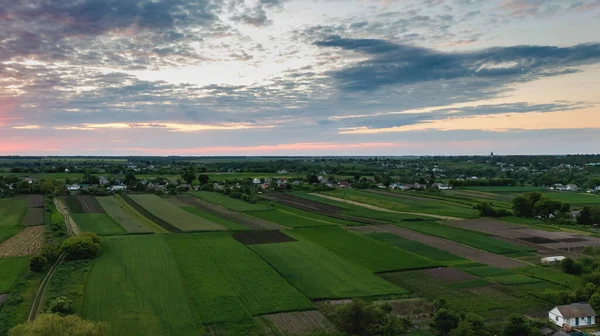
{"x": 262, "y": 237}
{"x": 236, "y": 217}
{"x": 90, "y": 204}
{"x": 27, "y": 242}
{"x": 300, "y": 323}
{"x": 35, "y": 201}
{"x": 453, "y": 247}
{"x": 33, "y": 217}
{"x": 449, "y": 275}
{"x": 538, "y": 240}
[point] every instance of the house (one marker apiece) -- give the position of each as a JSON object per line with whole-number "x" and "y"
{"x": 323, "y": 180}
{"x": 103, "y": 180}
{"x": 297, "y": 183}
{"x": 283, "y": 171}
{"x": 265, "y": 185}
{"x": 597, "y": 189}
{"x": 396, "y": 186}
{"x": 67, "y": 170}
{"x": 73, "y": 187}
{"x": 217, "y": 187}
{"x": 441, "y": 186}
{"x": 281, "y": 183}
{"x": 573, "y": 315}
{"x": 29, "y": 180}
{"x": 256, "y": 181}
{"x": 557, "y": 186}
{"x": 344, "y": 184}
{"x": 120, "y": 187}
{"x": 571, "y": 187}
{"x": 549, "y": 260}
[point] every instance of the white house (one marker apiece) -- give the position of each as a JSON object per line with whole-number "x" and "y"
{"x": 103, "y": 180}
{"x": 67, "y": 170}
{"x": 573, "y": 315}
{"x": 120, "y": 187}
{"x": 283, "y": 171}
{"x": 74, "y": 187}
{"x": 550, "y": 260}
{"x": 256, "y": 181}
{"x": 571, "y": 187}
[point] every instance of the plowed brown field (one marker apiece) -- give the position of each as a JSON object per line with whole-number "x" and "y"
{"x": 27, "y": 242}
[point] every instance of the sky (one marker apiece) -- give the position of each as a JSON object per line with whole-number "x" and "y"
{"x": 299, "y": 77}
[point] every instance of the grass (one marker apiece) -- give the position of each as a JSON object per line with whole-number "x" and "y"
{"x": 11, "y": 270}
{"x": 12, "y": 211}
{"x": 320, "y": 274}
{"x": 173, "y": 215}
{"x": 101, "y": 224}
{"x": 515, "y": 279}
{"x": 228, "y": 202}
{"x": 471, "y": 283}
{"x": 466, "y": 237}
{"x": 415, "y": 247}
{"x": 137, "y": 215}
{"x": 370, "y": 253}
{"x": 226, "y": 281}
{"x": 8, "y": 231}
{"x": 117, "y": 211}
{"x": 16, "y": 309}
{"x": 69, "y": 281}
{"x": 216, "y": 219}
{"x": 549, "y": 275}
{"x": 509, "y": 190}
{"x": 487, "y": 271}
{"x": 135, "y": 287}
{"x": 573, "y": 198}
{"x": 294, "y": 218}
{"x": 405, "y": 203}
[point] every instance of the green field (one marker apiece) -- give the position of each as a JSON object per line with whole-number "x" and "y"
{"x": 228, "y": 202}
{"x": 580, "y": 199}
{"x": 370, "y": 253}
{"x": 515, "y": 279}
{"x": 174, "y": 215}
{"x": 418, "y": 248}
{"x": 69, "y": 281}
{"x": 466, "y": 237}
{"x": 119, "y": 212}
{"x": 486, "y": 271}
{"x": 216, "y": 219}
{"x": 549, "y": 275}
{"x": 134, "y": 286}
{"x": 320, "y": 274}
{"x": 101, "y": 224}
{"x": 507, "y": 190}
{"x": 11, "y": 270}
{"x": 225, "y": 281}
{"x": 406, "y": 203}
{"x": 294, "y": 218}
{"x": 12, "y": 211}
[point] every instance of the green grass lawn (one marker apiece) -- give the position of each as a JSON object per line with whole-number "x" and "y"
{"x": 321, "y": 274}
{"x": 11, "y": 270}
{"x": 216, "y": 219}
{"x": 418, "y": 248}
{"x": 8, "y": 231}
{"x": 370, "y": 253}
{"x": 403, "y": 202}
{"x": 135, "y": 287}
{"x": 101, "y": 224}
{"x": 120, "y": 214}
{"x": 228, "y": 202}
{"x": 226, "y": 281}
{"x": 466, "y": 237}
{"x": 173, "y": 215}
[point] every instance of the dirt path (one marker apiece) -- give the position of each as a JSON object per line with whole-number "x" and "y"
{"x": 72, "y": 227}
{"x": 460, "y": 250}
{"x": 376, "y": 208}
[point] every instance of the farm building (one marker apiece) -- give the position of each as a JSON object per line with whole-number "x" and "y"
{"x": 549, "y": 260}
{"x": 73, "y": 187}
{"x": 573, "y": 315}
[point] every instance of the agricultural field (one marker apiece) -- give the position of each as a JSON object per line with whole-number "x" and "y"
{"x": 68, "y": 280}
{"x": 406, "y": 203}
{"x": 215, "y": 219}
{"x": 506, "y": 190}
{"x": 577, "y": 199}
{"x": 381, "y": 257}
{"x": 100, "y": 224}
{"x": 126, "y": 217}
{"x": 33, "y": 217}
{"x": 321, "y": 274}
{"x": 549, "y": 275}
{"x": 228, "y": 202}
{"x": 26, "y": 242}
{"x": 173, "y": 216}
{"x": 11, "y": 270}
{"x": 295, "y": 218}
{"x": 417, "y": 248}
{"x": 12, "y": 211}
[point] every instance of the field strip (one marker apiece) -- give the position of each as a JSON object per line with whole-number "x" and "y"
{"x": 447, "y": 245}
{"x": 376, "y": 208}
{"x": 27, "y": 242}
{"x": 312, "y": 219}
{"x": 134, "y": 213}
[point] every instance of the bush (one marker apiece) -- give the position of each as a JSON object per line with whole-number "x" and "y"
{"x": 62, "y": 305}
{"x": 52, "y": 324}
{"x": 37, "y": 263}
{"x": 80, "y": 247}
{"x": 486, "y": 210}
{"x": 94, "y": 237}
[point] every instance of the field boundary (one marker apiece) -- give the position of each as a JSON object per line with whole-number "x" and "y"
{"x": 143, "y": 211}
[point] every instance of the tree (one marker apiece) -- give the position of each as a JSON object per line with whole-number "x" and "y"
{"x": 203, "y": 179}
{"x": 80, "y": 247}
{"x": 130, "y": 179}
{"x": 363, "y": 319}
{"x": 471, "y": 325}
{"x": 518, "y": 326}
{"x": 570, "y": 266}
{"x": 62, "y": 305}
{"x": 522, "y": 206}
{"x": 594, "y": 301}
{"x": 37, "y": 263}
{"x": 585, "y": 216}
{"x": 311, "y": 179}
{"x": 188, "y": 175}
{"x": 53, "y": 324}
{"x": 444, "y": 321}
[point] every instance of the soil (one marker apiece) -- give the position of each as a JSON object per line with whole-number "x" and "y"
{"x": 262, "y": 237}
{"x": 90, "y": 204}
{"x": 449, "y": 275}
{"x": 35, "y": 201}
{"x": 236, "y": 217}
{"x": 538, "y": 240}
{"x": 447, "y": 245}
{"x": 33, "y": 217}
{"x": 27, "y": 242}
{"x": 301, "y": 323}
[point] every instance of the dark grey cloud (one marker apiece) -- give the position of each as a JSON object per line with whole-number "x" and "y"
{"x": 395, "y": 64}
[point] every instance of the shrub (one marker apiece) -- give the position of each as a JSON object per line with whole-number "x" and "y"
{"x": 52, "y": 324}
{"x": 62, "y": 305}
{"x": 37, "y": 263}
{"x": 94, "y": 237}
{"x": 80, "y": 247}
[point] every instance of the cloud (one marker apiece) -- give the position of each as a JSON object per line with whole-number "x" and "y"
{"x": 174, "y": 127}
{"x": 394, "y": 64}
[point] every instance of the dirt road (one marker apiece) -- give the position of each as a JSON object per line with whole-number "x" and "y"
{"x": 376, "y": 208}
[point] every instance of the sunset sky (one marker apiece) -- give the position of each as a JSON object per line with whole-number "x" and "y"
{"x": 299, "y": 77}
